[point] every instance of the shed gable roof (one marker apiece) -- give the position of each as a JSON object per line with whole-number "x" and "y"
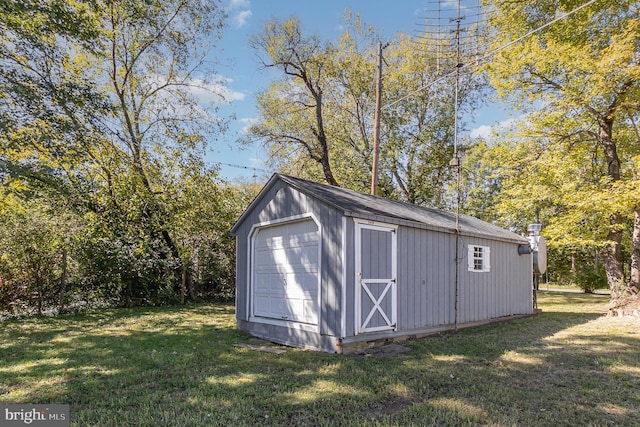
{"x": 353, "y": 203}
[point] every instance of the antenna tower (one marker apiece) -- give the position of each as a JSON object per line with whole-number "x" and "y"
{"x": 450, "y": 39}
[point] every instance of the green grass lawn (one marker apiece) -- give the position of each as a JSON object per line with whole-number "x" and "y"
{"x": 178, "y": 366}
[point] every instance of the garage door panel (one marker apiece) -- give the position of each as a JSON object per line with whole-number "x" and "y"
{"x": 299, "y": 228}
{"x": 302, "y": 283}
{"x": 262, "y": 283}
{"x": 286, "y": 257}
{"x": 278, "y": 284}
{"x": 300, "y": 309}
{"x": 279, "y": 256}
{"x": 280, "y": 307}
{"x": 282, "y": 240}
{"x": 269, "y": 306}
{"x": 293, "y": 310}
{"x": 268, "y": 281}
{"x": 263, "y": 258}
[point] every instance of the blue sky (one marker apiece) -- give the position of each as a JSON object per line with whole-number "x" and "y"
{"x": 244, "y": 78}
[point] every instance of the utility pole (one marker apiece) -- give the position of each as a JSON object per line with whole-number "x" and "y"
{"x": 376, "y": 125}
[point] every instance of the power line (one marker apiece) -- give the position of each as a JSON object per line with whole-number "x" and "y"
{"x": 253, "y": 168}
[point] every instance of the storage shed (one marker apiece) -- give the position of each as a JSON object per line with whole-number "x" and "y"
{"x": 332, "y": 269}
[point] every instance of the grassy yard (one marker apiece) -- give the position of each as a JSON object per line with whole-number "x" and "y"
{"x": 180, "y": 367}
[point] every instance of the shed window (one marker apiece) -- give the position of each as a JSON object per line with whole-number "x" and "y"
{"x": 479, "y": 258}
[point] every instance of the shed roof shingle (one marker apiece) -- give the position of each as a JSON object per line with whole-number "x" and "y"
{"x": 354, "y": 203}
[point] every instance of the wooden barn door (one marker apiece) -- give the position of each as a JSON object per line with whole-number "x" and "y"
{"x": 376, "y": 284}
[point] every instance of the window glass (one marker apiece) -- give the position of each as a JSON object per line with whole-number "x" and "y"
{"x": 478, "y": 257}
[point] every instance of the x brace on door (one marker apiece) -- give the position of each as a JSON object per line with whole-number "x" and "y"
{"x": 376, "y": 301}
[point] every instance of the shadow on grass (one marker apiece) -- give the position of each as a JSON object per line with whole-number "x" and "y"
{"x": 179, "y": 366}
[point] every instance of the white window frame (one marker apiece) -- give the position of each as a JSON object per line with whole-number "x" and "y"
{"x": 484, "y": 258}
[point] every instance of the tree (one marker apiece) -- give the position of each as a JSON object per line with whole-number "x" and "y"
{"x": 581, "y": 77}
{"x": 416, "y": 134}
{"x": 419, "y": 129}
{"x": 482, "y": 176}
{"x": 153, "y": 59}
{"x": 99, "y": 107}
{"x": 304, "y": 60}
{"x": 45, "y": 109}
{"x": 206, "y": 211}
{"x": 35, "y": 239}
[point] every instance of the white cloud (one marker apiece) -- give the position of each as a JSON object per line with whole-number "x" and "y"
{"x": 483, "y": 132}
{"x": 239, "y": 12}
{"x": 247, "y": 122}
{"x": 256, "y": 162}
{"x": 241, "y": 18}
{"x": 203, "y": 95}
{"x": 215, "y": 92}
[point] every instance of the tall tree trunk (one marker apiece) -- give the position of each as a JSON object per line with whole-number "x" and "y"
{"x": 634, "y": 279}
{"x": 191, "y": 290}
{"x": 129, "y": 292}
{"x": 321, "y": 136}
{"x": 613, "y": 257}
{"x": 195, "y": 262}
{"x": 39, "y": 301}
{"x": 134, "y": 139}
{"x": 63, "y": 281}
{"x": 613, "y": 252}
{"x": 183, "y": 283}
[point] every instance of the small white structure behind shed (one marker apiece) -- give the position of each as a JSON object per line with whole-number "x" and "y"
{"x": 332, "y": 269}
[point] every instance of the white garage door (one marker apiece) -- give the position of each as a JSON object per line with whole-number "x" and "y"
{"x": 285, "y": 272}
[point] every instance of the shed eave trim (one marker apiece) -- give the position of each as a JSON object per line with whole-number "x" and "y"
{"x": 427, "y": 226}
